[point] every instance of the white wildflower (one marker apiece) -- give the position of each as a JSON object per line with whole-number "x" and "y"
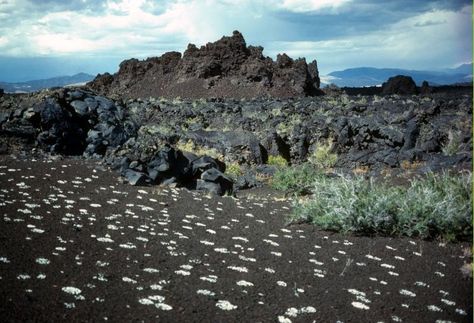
{"x": 71, "y": 290}
{"x": 226, "y": 305}
{"x": 360, "y": 305}
{"x": 42, "y": 261}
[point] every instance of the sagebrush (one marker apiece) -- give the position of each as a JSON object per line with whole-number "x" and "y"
{"x": 296, "y": 179}
{"x": 322, "y": 156}
{"x": 435, "y": 206}
{"x": 233, "y": 170}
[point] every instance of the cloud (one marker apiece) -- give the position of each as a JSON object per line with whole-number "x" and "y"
{"x": 310, "y": 5}
{"x": 402, "y": 44}
{"x": 122, "y": 27}
{"x": 429, "y": 23}
{"x": 339, "y": 33}
{"x": 126, "y": 27}
{"x": 68, "y": 5}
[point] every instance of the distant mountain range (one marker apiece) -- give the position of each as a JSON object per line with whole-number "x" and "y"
{"x": 352, "y": 77}
{"x": 35, "y": 85}
{"x": 370, "y": 76}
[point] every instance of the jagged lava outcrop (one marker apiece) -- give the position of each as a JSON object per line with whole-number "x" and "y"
{"x": 227, "y": 68}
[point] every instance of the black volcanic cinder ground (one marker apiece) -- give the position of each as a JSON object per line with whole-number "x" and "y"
{"x": 77, "y": 245}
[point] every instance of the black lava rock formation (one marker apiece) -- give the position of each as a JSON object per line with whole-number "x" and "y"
{"x": 399, "y": 84}
{"x": 209, "y": 144}
{"x": 227, "y": 68}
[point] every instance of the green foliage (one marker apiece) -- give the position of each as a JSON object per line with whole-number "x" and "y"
{"x": 453, "y": 144}
{"x": 322, "y": 157}
{"x": 162, "y": 100}
{"x": 233, "y": 170}
{"x": 277, "y": 161}
{"x": 199, "y": 102}
{"x": 285, "y": 128}
{"x": 156, "y": 129}
{"x": 191, "y": 147}
{"x": 436, "y": 206}
{"x": 297, "y": 179}
{"x": 177, "y": 100}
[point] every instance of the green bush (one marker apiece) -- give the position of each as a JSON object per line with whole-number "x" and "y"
{"x": 453, "y": 143}
{"x": 322, "y": 157}
{"x": 436, "y": 206}
{"x": 277, "y": 161}
{"x": 296, "y": 179}
{"x": 233, "y": 170}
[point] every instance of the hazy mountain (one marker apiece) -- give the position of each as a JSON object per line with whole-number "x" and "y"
{"x": 35, "y": 85}
{"x": 462, "y": 69}
{"x": 369, "y": 76}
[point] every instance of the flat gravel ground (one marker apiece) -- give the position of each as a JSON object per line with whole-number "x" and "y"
{"x": 77, "y": 245}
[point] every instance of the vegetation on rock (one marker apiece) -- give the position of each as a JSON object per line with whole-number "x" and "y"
{"x": 323, "y": 157}
{"x": 277, "y": 161}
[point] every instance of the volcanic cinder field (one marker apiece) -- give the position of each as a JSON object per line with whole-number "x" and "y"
{"x": 78, "y": 245}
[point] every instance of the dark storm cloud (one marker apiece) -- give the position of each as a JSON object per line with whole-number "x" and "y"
{"x": 358, "y": 17}
{"x": 430, "y": 23}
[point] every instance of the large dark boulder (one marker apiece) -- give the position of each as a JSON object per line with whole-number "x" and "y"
{"x": 246, "y": 181}
{"x": 4, "y": 116}
{"x": 203, "y": 163}
{"x": 135, "y": 178}
{"x": 214, "y": 181}
{"x": 412, "y": 130}
{"x": 275, "y": 145}
{"x": 169, "y": 163}
{"x": 70, "y": 122}
{"x": 399, "y": 84}
{"x": 20, "y": 128}
{"x": 111, "y": 127}
{"x": 80, "y": 107}
{"x": 61, "y": 129}
{"x": 161, "y": 165}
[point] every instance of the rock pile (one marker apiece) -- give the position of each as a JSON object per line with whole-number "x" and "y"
{"x": 72, "y": 122}
{"x": 170, "y": 166}
{"x": 226, "y": 68}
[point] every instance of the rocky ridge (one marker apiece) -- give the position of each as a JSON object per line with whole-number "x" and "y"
{"x": 227, "y": 68}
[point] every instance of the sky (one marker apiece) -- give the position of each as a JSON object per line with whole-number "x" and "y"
{"x": 45, "y": 38}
